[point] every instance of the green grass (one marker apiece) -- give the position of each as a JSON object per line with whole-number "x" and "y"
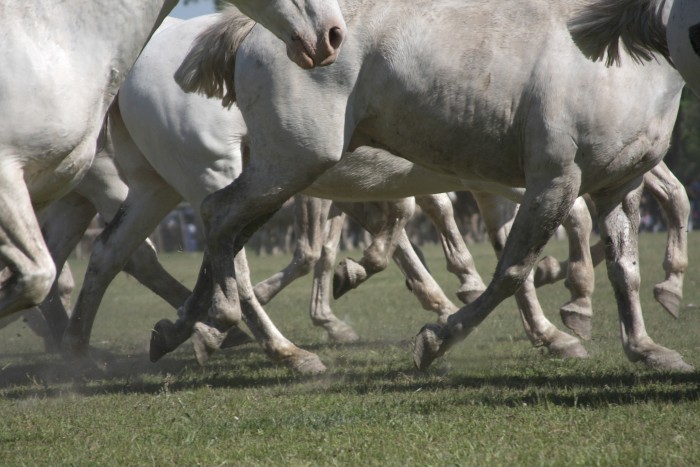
{"x": 494, "y": 400}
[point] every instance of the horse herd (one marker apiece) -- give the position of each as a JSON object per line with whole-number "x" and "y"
{"x": 374, "y": 105}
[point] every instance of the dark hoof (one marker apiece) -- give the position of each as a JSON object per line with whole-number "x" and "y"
{"x": 159, "y": 346}
{"x": 341, "y": 280}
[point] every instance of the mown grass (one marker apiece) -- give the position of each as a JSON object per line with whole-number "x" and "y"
{"x": 494, "y": 400}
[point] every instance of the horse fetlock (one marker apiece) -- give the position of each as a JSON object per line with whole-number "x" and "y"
{"x": 548, "y": 271}
{"x": 205, "y": 341}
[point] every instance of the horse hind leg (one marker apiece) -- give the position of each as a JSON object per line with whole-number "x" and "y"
{"x": 577, "y": 313}
{"x": 459, "y": 260}
{"x": 385, "y": 221}
{"x": 619, "y": 221}
{"x": 310, "y": 216}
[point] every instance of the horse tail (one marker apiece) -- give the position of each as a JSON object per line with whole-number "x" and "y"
{"x": 209, "y": 66}
{"x": 600, "y": 27}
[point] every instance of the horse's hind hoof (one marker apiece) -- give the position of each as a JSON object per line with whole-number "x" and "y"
{"x": 669, "y": 298}
{"x": 159, "y": 346}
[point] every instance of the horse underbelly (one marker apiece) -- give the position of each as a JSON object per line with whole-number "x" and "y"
{"x": 53, "y": 176}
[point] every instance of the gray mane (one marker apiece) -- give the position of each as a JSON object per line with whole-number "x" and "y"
{"x": 606, "y": 26}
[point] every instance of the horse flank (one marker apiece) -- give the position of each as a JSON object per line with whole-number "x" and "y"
{"x": 208, "y": 67}
{"x": 606, "y": 25}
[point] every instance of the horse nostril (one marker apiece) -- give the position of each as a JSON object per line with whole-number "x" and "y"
{"x": 336, "y": 37}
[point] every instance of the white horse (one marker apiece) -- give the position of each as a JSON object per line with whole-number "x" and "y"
{"x": 670, "y": 28}
{"x": 58, "y": 78}
{"x": 515, "y": 104}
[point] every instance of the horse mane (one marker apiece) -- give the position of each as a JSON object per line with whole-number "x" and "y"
{"x": 209, "y": 66}
{"x": 606, "y": 26}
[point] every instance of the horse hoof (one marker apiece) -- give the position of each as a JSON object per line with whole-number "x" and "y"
{"x": 342, "y": 333}
{"x": 159, "y": 342}
{"x": 578, "y": 322}
{"x": 567, "y": 347}
{"x": 669, "y": 298}
{"x": 347, "y": 276}
{"x": 548, "y": 271}
{"x": 304, "y": 362}
{"x": 427, "y": 347}
{"x": 666, "y": 360}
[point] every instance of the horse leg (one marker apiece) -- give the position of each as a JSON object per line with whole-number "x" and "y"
{"x": 310, "y": 215}
{"x": 385, "y": 221}
{"x": 673, "y": 198}
{"x": 231, "y": 215}
{"x": 420, "y": 281}
{"x": 619, "y": 223}
{"x": 546, "y": 202}
{"x": 576, "y": 314}
{"x": 30, "y": 270}
{"x": 459, "y": 259}
{"x": 319, "y": 306}
{"x": 498, "y": 214}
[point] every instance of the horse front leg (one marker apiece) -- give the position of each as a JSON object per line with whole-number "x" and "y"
{"x": 385, "y": 221}
{"x": 673, "y": 198}
{"x": 619, "y": 223}
{"x": 545, "y": 204}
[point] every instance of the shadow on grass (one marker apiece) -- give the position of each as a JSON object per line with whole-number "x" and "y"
{"x": 34, "y": 375}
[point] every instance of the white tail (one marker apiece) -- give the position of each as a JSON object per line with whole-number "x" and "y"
{"x": 601, "y": 27}
{"x": 209, "y": 66}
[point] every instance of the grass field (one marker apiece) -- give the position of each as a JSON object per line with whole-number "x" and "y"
{"x": 494, "y": 400}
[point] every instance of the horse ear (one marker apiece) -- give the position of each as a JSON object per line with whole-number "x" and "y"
{"x": 209, "y": 66}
